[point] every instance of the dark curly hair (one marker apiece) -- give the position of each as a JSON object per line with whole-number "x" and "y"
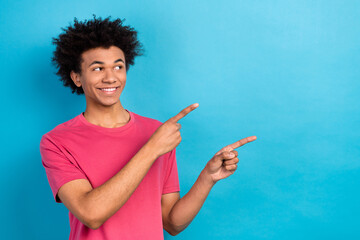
{"x": 83, "y": 36}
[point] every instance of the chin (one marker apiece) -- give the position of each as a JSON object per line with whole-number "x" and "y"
{"x": 108, "y": 103}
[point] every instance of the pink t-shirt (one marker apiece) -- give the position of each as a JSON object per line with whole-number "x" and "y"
{"x": 78, "y": 149}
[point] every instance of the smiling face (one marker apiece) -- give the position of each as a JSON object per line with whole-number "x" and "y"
{"x": 102, "y": 77}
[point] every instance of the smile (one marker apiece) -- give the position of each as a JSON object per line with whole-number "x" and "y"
{"x": 108, "y": 90}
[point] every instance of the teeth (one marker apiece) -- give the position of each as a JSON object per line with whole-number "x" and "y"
{"x": 108, "y": 89}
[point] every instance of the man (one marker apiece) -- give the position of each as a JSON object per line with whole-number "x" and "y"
{"x": 113, "y": 169}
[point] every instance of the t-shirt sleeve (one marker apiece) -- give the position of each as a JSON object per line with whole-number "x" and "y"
{"x": 171, "y": 183}
{"x": 59, "y": 169}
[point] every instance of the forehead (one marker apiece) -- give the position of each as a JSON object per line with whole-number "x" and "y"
{"x": 102, "y": 54}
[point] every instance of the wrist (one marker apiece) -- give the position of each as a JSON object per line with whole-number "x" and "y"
{"x": 206, "y": 177}
{"x": 150, "y": 151}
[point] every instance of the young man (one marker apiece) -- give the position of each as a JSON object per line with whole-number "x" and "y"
{"x": 113, "y": 169}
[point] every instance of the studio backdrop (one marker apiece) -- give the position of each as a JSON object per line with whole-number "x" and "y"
{"x": 285, "y": 71}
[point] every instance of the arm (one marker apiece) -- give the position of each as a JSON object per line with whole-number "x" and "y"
{"x": 178, "y": 213}
{"x": 94, "y": 206}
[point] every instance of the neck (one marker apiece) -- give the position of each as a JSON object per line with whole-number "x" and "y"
{"x": 109, "y": 117}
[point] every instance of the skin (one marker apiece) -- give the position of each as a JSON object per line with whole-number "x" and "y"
{"x": 102, "y": 68}
{"x": 93, "y": 206}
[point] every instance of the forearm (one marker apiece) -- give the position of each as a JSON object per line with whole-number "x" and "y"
{"x": 104, "y": 201}
{"x": 186, "y": 208}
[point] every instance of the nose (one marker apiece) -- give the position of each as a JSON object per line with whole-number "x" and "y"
{"x": 109, "y": 76}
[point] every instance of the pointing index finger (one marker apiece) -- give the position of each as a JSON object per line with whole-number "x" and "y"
{"x": 242, "y": 142}
{"x": 184, "y": 112}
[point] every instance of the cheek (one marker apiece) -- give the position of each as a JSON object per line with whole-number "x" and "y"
{"x": 87, "y": 86}
{"x": 90, "y": 80}
{"x": 123, "y": 78}
{"x": 84, "y": 84}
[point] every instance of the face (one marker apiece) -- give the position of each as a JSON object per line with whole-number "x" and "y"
{"x": 102, "y": 77}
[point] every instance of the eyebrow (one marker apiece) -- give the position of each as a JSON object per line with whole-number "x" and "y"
{"x": 98, "y": 62}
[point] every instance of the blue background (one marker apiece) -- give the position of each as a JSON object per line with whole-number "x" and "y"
{"x": 285, "y": 71}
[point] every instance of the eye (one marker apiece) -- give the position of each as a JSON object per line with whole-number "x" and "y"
{"x": 97, "y": 69}
{"x": 118, "y": 67}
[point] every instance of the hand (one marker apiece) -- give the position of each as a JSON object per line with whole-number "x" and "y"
{"x": 167, "y": 136}
{"x": 223, "y": 164}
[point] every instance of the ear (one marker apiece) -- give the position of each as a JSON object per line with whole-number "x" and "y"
{"x": 76, "y": 78}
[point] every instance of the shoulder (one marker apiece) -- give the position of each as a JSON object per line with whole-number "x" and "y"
{"x": 147, "y": 121}
{"x": 61, "y": 130}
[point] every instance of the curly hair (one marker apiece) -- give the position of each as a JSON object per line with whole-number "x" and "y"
{"x": 83, "y": 36}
